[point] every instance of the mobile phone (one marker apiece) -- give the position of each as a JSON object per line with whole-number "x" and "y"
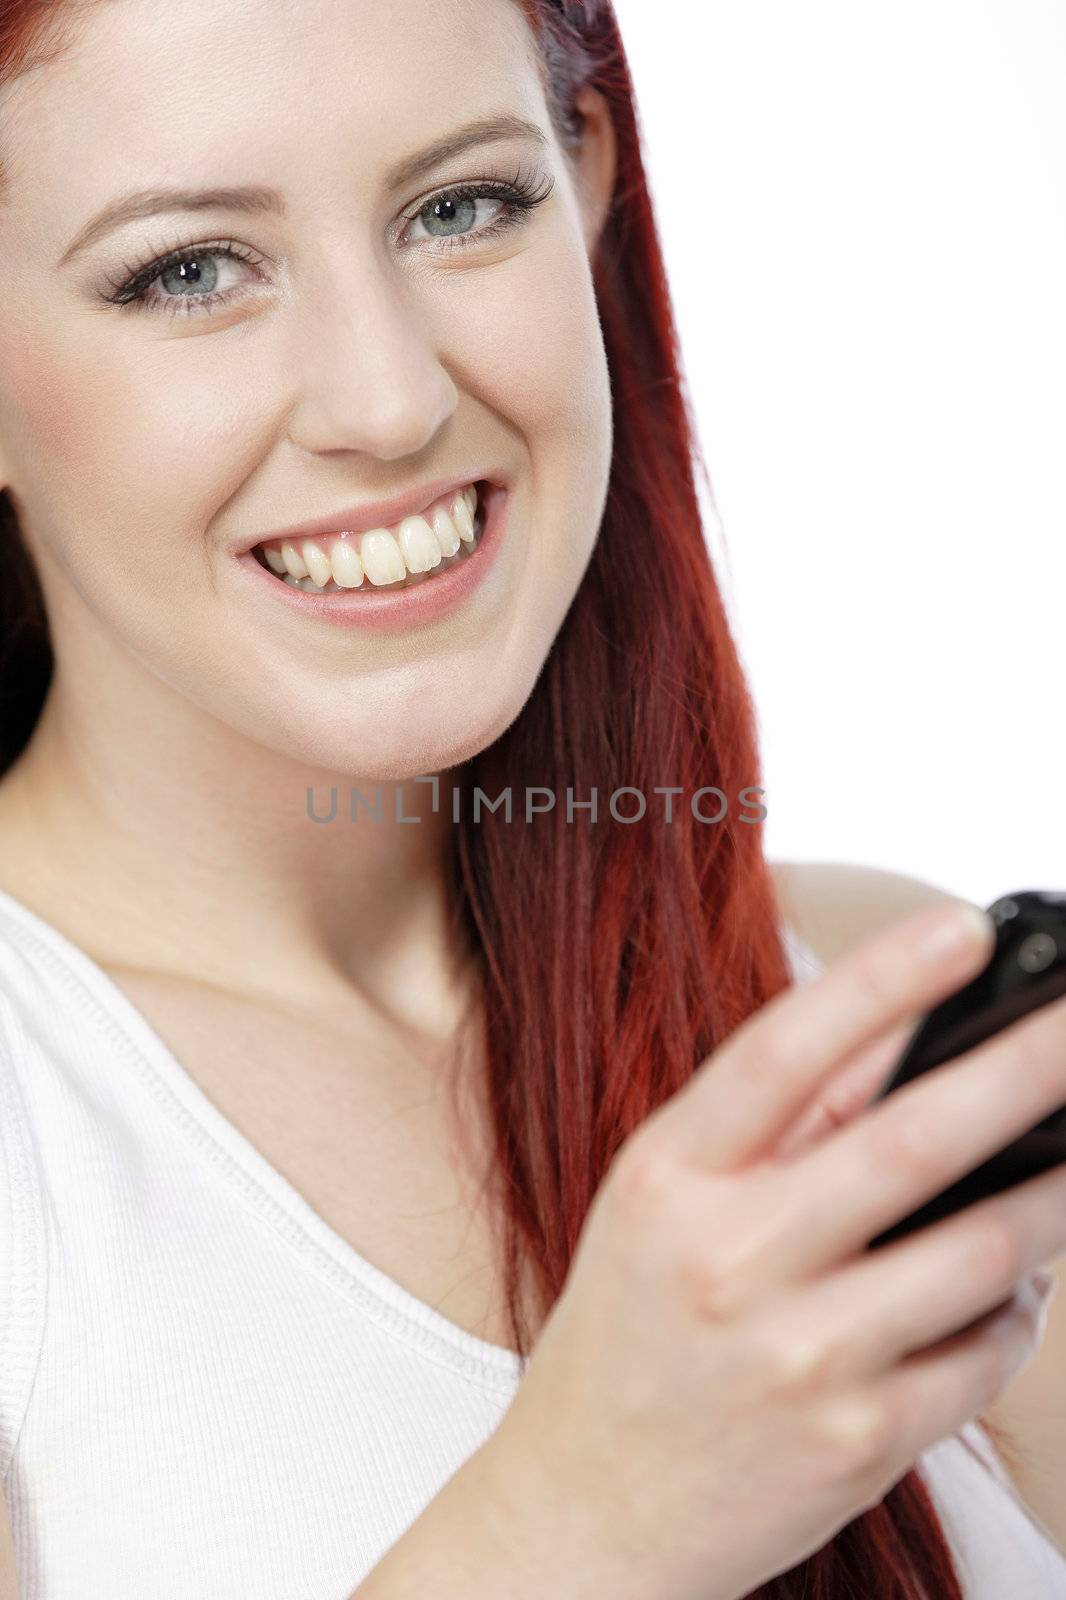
{"x": 1027, "y": 969}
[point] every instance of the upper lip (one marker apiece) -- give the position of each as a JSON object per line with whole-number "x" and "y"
{"x": 373, "y": 514}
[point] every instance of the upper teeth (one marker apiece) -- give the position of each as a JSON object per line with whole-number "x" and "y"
{"x": 384, "y": 555}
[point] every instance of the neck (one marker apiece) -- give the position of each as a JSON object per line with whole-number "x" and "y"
{"x": 183, "y": 847}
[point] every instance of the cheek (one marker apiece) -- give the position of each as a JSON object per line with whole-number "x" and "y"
{"x": 535, "y": 357}
{"x": 62, "y": 400}
{"x": 138, "y": 450}
{"x": 533, "y": 349}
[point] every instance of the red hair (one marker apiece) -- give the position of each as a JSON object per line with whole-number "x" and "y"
{"x": 614, "y": 957}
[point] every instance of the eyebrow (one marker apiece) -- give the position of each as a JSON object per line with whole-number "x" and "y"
{"x": 253, "y": 199}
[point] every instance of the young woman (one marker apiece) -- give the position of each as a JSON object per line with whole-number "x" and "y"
{"x": 348, "y": 487}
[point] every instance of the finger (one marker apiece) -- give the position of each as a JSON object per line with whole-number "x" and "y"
{"x": 936, "y": 1392}
{"x": 846, "y": 1094}
{"x": 746, "y": 1095}
{"x": 915, "y": 1143}
{"x": 862, "y": 1320}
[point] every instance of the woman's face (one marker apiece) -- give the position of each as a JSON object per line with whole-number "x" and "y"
{"x": 342, "y": 352}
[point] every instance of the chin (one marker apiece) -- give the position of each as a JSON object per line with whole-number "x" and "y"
{"x": 428, "y": 743}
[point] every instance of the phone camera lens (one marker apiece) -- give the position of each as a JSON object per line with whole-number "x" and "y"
{"x": 1037, "y": 952}
{"x": 1003, "y": 910}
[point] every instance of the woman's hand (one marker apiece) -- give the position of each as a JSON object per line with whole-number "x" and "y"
{"x": 728, "y": 1377}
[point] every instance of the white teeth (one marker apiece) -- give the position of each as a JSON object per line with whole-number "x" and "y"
{"x": 293, "y": 560}
{"x": 346, "y": 565}
{"x": 418, "y": 544}
{"x": 445, "y": 532}
{"x": 317, "y": 563}
{"x": 461, "y": 516}
{"x": 382, "y": 561}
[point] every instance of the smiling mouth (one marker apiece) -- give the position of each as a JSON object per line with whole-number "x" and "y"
{"x": 412, "y": 551}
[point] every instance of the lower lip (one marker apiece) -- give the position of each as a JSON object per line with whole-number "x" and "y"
{"x": 385, "y": 609}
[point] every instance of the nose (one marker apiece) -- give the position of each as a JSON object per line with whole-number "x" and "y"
{"x": 368, "y": 374}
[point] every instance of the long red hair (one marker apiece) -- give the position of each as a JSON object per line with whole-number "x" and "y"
{"x": 613, "y": 956}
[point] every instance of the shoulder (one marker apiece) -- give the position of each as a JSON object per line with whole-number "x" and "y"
{"x": 835, "y": 905}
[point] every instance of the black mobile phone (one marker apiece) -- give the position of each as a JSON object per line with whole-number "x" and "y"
{"x": 1027, "y": 969}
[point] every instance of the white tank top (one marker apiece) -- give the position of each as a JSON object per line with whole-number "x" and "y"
{"x": 204, "y": 1390}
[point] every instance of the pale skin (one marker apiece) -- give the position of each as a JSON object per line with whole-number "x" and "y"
{"x": 361, "y": 359}
{"x": 355, "y": 367}
{"x": 714, "y": 1378}
{"x": 836, "y": 905}
{"x": 352, "y": 366}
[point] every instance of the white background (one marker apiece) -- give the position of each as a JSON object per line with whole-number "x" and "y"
{"x": 863, "y": 210}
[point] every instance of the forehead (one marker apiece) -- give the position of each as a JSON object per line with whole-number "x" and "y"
{"x": 148, "y": 93}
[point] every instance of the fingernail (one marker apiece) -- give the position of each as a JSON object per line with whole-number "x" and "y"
{"x": 954, "y": 931}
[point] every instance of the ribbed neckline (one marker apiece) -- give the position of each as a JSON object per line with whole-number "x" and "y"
{"x": 401, "y": 1314}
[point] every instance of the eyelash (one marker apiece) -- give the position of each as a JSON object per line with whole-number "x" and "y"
{"x": 521, "y": 195}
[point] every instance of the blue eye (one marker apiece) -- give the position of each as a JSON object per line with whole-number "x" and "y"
{"x": 455, "y": 209}
{"x": 184, "y": 275}
{"x": 184, "y": 280}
